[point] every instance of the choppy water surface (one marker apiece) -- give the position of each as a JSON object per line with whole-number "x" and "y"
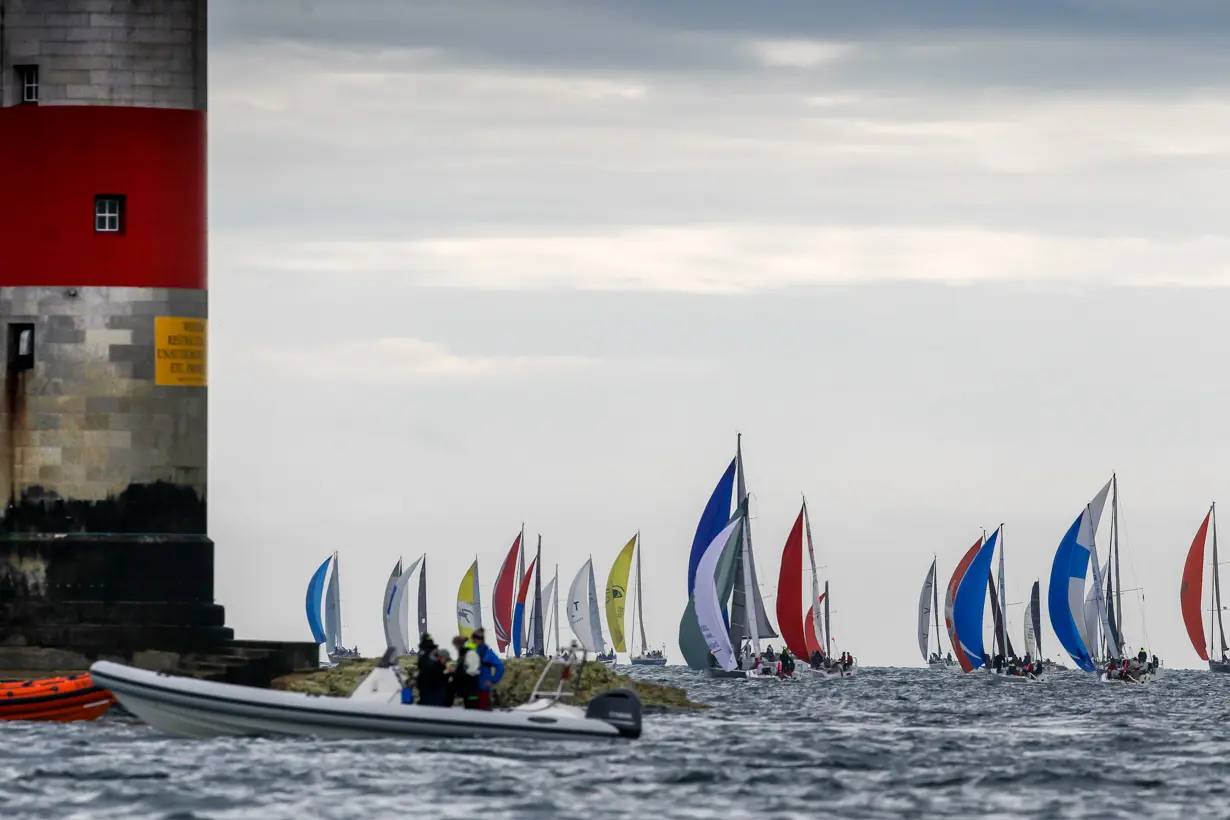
{"x": 889, "y": 743}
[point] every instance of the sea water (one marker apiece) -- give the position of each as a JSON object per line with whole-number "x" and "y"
{"x": 887, "y": 743}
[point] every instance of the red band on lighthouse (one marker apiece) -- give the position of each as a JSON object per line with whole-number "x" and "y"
{"x": 62, "y": 157}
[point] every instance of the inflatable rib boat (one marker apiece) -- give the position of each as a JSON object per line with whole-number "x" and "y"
{"x": 63, "y": 699}
{"x": 187, "y": 707}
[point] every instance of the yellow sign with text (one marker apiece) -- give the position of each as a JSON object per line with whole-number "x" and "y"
{"x": 179, "y": 351}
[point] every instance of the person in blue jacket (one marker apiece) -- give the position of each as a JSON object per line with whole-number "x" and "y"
{"x": 491, "y": 672}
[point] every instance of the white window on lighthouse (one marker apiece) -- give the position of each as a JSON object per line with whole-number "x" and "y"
{"x": 109, "y": 213}
{"x": 27, "y": 77}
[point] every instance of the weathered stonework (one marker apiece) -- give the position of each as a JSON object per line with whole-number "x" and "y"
{"x": 88, "y": 423}
{"x": 107, "y": 52}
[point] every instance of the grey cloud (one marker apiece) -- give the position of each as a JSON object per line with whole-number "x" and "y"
{"x": 1073, "y": 44}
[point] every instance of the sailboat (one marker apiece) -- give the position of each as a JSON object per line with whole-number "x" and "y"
{"x": 1191, "y": 598}
{"x": 928, "y": 606}
{"x": 802, "y": 634}
{"x": 324, "y": 599}
{"x": 507, "y": 582}
{"x": 469, "y": 605}
{"x": 583, "y": 614}
{"x": 965, "y": 607}
{"x": 395, "y": 613}
{"x": 1066, "y": 598}
{"x": 534, "y": 644}
{"x": 616, "y": 605}
{"x": 1033, "y": 626}
{"x": 552, "y": 597}
{"x": 736, "y": 577}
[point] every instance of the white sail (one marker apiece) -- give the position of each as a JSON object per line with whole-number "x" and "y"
{"x": 816, "y": 605}
{"x": 705, "y": 597}
{"x": 1030, "y": 641}
{"x": 386, "y": 606}
{"x": 554, "y": 596}
{"x": 399, "y": 609}
{"x": 924, "y": 612}
{"x": 333, "y": 610}
{"x": 583, "y": 614}
{"x": 1090, "y": 626}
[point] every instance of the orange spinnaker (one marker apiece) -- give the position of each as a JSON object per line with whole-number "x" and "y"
{"x": 1192, "y": 591}
{"x": 950, "y": 596}
{"x": 62, "y": 699}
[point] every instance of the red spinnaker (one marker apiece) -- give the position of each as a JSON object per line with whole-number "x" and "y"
{"x": 502, "y": 598}
{"x": 1192, "y": 591}
{"x": 790, "y": 591}
{"x": 525, "y": 582}
{"x": 949, "y": 595}
{"x": 809, "y": 630}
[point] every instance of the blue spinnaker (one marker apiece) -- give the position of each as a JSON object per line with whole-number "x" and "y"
{"x": 971, "y": 600}
{"x": 315, "y": 591}
{"x": 1070, "y": 565}
{"x": 518, "y": 617}
{"x": 1066, "y": 593}
{"x": 712, "y": 521}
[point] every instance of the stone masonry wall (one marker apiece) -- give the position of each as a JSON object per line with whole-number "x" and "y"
{"x": 89, "y": 421}
{"x": 107, "y": 52}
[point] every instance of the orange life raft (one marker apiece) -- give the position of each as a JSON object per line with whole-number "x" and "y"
{"x": 74, "y": 697}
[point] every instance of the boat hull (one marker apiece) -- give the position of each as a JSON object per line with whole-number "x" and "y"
{"x": 649, "y": 661}
{"x": 186, "y": 707}
{"x": 58, "y": 700}
{"x": 836, "y": 672}
{"x": 1222, "y": 667}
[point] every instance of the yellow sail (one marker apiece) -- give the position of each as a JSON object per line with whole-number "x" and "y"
{"x": 617, "y": 594}
{"x": 467, "y": 602}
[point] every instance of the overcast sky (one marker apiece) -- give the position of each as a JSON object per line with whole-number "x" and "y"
{"x": 484, "y": 262}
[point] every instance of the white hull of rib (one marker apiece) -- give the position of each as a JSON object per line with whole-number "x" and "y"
{"x": 187, "y": 707}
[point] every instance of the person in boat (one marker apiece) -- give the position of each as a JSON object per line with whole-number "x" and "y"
{"x": 491, "y": 669}
{"x": 817, "y": 659}
{"x": 948, "y": 658}
{"x": 463, "y": 677}
{"x": 1142, "y": 656}
{"x": 770, "y": 655}
{"x": 432, "y": 678}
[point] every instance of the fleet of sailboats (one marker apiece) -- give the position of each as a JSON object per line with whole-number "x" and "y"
{"x": 725, "y": 623}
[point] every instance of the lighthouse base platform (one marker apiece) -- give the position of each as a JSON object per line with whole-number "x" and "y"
{"x": 147, "y": 600}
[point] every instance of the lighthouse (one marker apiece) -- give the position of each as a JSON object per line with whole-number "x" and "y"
{"x": 104, "y": 550}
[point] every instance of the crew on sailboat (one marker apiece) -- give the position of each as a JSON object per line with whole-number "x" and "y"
{"x": 432, "y": 678}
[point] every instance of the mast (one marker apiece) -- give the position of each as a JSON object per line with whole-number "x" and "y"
{"x": 536, "y": 639}
{"x": 1221, "y": 629}
{"x": 423, "y": 598}
{"x": 639, "y": 614}
{"x": 815, "y": 579}
{"x": 516, "y": 590}
{"x": 828, "y": 632}
{"x": 1099, "y": 599}
{"x": 555, "y": 608}
{"x": 935, "y": 607}
{"x": 1003, "y": 601}
{"x": 1114, "y": 547}
{"x": 744, "y": 583}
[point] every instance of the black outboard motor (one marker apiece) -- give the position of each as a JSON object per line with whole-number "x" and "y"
{"x": 619, "y": 707}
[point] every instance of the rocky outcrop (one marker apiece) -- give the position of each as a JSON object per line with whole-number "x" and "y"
{"x": 520, "y": 675}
